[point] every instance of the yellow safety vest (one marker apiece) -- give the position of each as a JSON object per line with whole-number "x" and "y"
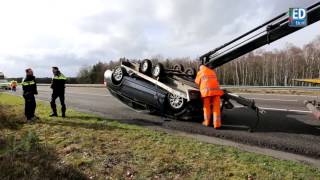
{"x": 60, "y": 77}
{"x": 27, "y": 83}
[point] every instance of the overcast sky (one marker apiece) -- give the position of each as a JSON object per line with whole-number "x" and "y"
{"x": 73, "y": 33}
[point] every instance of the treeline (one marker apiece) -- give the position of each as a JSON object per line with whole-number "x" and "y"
{"x": 259, "y": 68}
{"x": 273, "y": 68}
{"x": 94, "y": 74}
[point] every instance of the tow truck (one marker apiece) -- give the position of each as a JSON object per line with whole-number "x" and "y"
{"x": 171, "y": 91}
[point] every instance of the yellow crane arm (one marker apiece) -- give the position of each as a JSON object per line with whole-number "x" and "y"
{"x": 314, "y": 81}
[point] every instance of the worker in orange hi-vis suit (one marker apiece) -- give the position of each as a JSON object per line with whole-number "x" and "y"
{"x": 210, "y": 92}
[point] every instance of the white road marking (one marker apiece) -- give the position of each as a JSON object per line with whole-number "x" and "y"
{"x": 277, "y": 109}
{"x": 276, "y": 95}
{"x": 236, "y": 106}
{"x": 89, "y": 94}
{"x": 263, "y": 99}
{"x": 287, "y": 110}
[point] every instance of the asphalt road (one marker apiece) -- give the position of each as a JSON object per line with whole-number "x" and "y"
{"x": 287, "y": 125}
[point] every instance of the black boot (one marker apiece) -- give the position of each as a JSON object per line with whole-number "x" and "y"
{"x": 63, "y": 110}
{"x": 53, "y": 115}
{"x": 53, "y": 107}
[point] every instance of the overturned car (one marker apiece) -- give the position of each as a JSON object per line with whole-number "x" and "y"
{"x": 169, "y": 92}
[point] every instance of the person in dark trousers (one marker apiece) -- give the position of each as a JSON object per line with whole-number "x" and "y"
{"x": 29, "y": 87}
{"x": 58, "y": 90}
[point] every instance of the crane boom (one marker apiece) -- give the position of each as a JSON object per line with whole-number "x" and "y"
{"x": 266, "y": 33}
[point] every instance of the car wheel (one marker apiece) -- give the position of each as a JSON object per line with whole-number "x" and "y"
{"x": 176, "y": 103}
{"x": 157, "y": 70}
{"x": 118, "y": 74}
{"x": 191, "y": 72}
{"x": 146, "y": 66}
{"x": 178, "y": 67}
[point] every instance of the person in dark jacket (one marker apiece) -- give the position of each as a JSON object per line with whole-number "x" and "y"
{"x": 29, "y": 87}
{"x": 58, "y": 90}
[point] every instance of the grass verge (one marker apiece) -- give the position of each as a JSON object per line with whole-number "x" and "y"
{"x": 85, "y": 146}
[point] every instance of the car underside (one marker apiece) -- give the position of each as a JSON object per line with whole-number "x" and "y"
{"x": 140, "y": 94}
{"x": 169, "y": 92}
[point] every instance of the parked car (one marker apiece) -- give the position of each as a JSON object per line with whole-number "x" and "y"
{"x": 5, "y": 84}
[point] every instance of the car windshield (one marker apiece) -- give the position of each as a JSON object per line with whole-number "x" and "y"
{"x": 3, "y": 81}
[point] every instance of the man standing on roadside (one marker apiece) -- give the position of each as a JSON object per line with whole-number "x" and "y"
{"x": 210, "y": 92}
{"x": 58, "y": 90}
{"x": 29, "y": 87}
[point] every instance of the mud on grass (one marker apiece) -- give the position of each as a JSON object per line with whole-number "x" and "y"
{"x": 85, "y": 146}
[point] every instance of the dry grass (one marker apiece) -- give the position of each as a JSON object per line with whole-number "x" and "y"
{"x": 10, "y": 118}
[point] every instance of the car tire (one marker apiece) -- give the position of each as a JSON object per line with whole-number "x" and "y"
{"x": 145, "y": 67}
{"x": 191, "y": 72}
{"x": 157, "y": 70}
{"x": 118, "y": 74}
{"x": 176, "y": 103}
